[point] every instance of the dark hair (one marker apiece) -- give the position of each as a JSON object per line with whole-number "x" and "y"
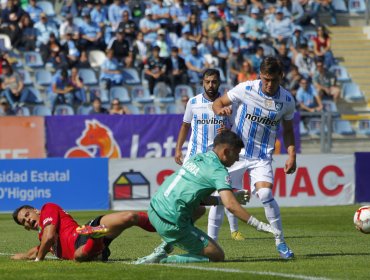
{"x": 16, "y": 211}
{"x": 271, "y": 65}
{"x": 228, "y": 137}
{"x": 211, "y": 72}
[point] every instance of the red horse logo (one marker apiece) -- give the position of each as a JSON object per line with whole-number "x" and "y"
{"x": 95, "y": 141}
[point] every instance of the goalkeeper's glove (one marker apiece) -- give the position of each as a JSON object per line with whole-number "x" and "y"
{"x": 261, "y": 226}
{"x": 242, "y": 196}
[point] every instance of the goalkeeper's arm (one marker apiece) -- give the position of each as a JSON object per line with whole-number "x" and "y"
{"x": 231, "y": 204}
{"x": 242, "y": 196}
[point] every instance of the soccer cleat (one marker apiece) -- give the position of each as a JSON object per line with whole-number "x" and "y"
{"x": 158, "y": 254}
{"x": 93, "y": 232}
{"x": 284, "y": 251}
{"x": 237, "y": 235}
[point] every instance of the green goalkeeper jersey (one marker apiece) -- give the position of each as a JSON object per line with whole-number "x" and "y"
{"x": 182, "y": 192}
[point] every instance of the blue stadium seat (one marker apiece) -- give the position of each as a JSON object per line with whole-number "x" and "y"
{"x": 314, "y": 126}
{"x": 163, "y": 93}
{"x": 26, "y": 77}
{"x": 97, "y": 91}
{"x": 343, "y": 127}
{"x": 34, "y": 96}
{"x": 84, "y": 110}
{"x": 364, "y": 127}
{"x": 356, "y": 6}
{"x": 302, "y": 129}
{"x": 150, "y": 109}
{"x": 22, "y": 111}
{"x": 352, "y": 93}
{"x": 43, "y": 78}
{"x": 41, "y": 110}
{"x": 121, "y": 93}
{"x": 341, "y": 73}
{"x": 47, "y": 8}
{"x": 340, "y": 6}
{"x": 133, "y": 109}
{"x": 131, "y": 76}
{"x": 329, "y": 106}
{"x": 181, "y": 90}
{"x": 141, "y": 94}
{"x": 63, "y": 110}
{"x": 88, "y": 76}
{"x": 33, "y": 59}
{"x": 5, "y": 42}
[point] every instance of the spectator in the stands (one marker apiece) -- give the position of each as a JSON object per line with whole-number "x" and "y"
{"x": 162, "y": 43}
{"x": 149, "y": 27}
{"x": 176, "y": 69}
{"x": 52, "y": 45}
{"x": 327, "y": 5}
{"x": 110, "y": 72}
{"x": 180, "y": 15}
{"x": 129, "y": 26}
{"x": 195, "y": 27}
{"x": 44, "y": 28}
{"x": 27, "y": 40}
{"x": 12, "y": 86}
{"x": 296, "y": 41}
{"x": 11, "y": 14}
{"x": 325, "y": 82}
{"x": 91, "y": 34}
{"x": 234, "y": 65}
{"x": 184, "y": 43}
{"x": 79, "y": 89}
{"x": 257, "y": 58}
{"x": 99, "y": 14}
{"x": 255, "y": 27}
{"x": 305, "y": 62}
{"x": 246, "y": 45}
{"x": 120, "y": 46}
{"x": 69, "y": 7}
{"x": 281, "y": 28}
{"x": 214, "y": 24}
{"x": 322, "y": 47}
{"x": 161, "y": 13}
{"x": 308, "y": 98}
{"x": 97, "y": 107}
{"x": 294, "y": 10}
{"x": 292, "y": 81}
{"x": 115, "y": 13}
{"x": 33, "y": 10}
{"x": 155, "y": 69}
{"x": 61, "y": 89}
{"x": 223, "y": 48}
{"x": 284, "y": 57}
{"x": 246, "y": 72}
{"x": 68, "y": 27}
{"x": 195, "y": 64}
{"x": 117, "y": 108}
{"x": 140, "y": 49}
{"x": 83, "y": 62}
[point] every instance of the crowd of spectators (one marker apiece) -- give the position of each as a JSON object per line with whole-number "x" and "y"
{"x": 169, "y": 41}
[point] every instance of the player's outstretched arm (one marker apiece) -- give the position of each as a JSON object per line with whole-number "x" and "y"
{"x": 231, "y": 204}
{"x": 49, "y": 236}
{"x": 242, "y": 197}
{"x": 30, "y": 255}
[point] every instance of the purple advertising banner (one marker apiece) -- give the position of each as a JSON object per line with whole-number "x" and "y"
{"x": 362, "y": 175}
{"x": 116, "y": 136}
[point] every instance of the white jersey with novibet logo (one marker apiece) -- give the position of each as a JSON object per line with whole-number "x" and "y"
{"x": 256, "y": 117}
{"x": 204, "y": 125}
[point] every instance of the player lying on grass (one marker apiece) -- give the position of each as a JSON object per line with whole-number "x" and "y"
{"x": 61, "y": 235}
{"x": 172, "y": 206}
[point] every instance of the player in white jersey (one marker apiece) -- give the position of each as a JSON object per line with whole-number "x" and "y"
{"x": 204, "y": 125}
{"x": 258, "y": 108}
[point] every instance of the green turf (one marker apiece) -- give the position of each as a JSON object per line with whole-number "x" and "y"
{"x": 324, "y": 240}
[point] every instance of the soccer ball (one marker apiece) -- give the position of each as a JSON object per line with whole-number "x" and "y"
{"x": 362, "y": 219}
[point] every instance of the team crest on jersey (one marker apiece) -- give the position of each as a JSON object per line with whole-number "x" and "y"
{"x": 268, "y": 103}
{"x": 278, "y": 106}
{"x": 228, "y": 180}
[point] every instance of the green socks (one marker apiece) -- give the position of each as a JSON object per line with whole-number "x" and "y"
{"x": 187, "y": 258}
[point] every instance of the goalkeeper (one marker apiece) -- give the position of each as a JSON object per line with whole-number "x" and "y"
{"x": 171, "y": 209}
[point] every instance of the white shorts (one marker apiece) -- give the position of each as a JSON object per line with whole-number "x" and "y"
{"x": 260, "y": 170}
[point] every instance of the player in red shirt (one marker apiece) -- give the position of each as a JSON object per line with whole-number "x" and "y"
{"x": 58, "y": 234}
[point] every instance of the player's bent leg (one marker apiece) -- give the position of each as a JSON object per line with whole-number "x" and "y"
{"x": 199, "y": 212}
{"x": 90, "y": 250}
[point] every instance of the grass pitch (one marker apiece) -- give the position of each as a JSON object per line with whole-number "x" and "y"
{"x": 324, "y": 240}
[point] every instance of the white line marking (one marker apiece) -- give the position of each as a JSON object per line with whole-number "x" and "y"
{"x": 231, "y": 270}
{"x": 277, "y": 274}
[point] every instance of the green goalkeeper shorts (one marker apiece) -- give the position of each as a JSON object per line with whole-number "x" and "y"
{"x": 188, "y": 238}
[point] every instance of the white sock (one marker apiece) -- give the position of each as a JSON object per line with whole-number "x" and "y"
{"x": 272, "y": 211}
{"x": 233, "y": 221}
{"x": 215, "y": 219}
